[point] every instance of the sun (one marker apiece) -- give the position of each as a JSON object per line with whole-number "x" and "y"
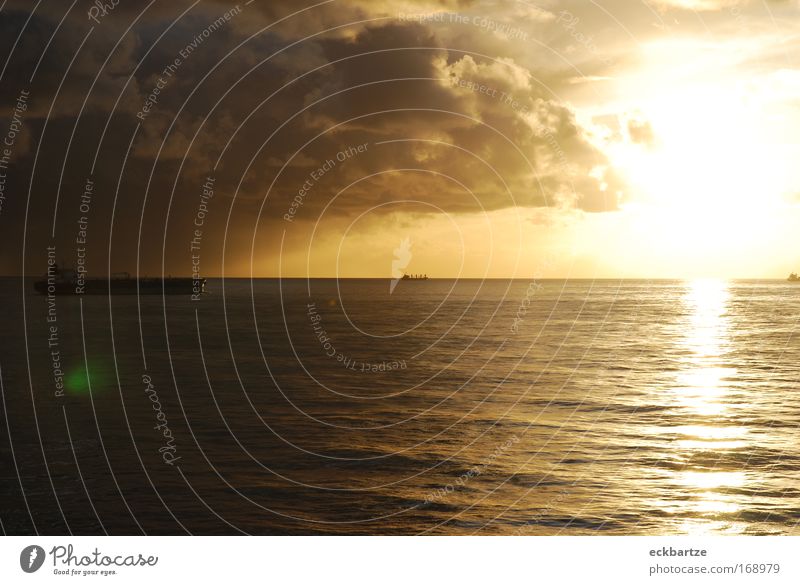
{"x": 715, "y": 170}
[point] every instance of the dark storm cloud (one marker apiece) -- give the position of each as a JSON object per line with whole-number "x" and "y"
{"x": 457, "y": 148}
{"x": 422, "y": 93}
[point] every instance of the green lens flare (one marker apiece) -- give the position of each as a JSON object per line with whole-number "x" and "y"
{"x": 83, "y": 379}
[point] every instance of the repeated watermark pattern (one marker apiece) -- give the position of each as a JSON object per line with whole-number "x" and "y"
{"x": 475, "y": 471}
{"x": 10, "y": 140}
{"x": 317, "y": 174}
{"x": 571, "y": 24}
{"x": 481, "y": 21}
{"x": 345, "y": 360}
{"x": 101, "y": 9}
{"x": 171, "y": 70}
{"x": 168, "y": 450}
{"x": 402, "y": 256}
{"x": 198, "y": 224}
{"x": 253, "y": 432}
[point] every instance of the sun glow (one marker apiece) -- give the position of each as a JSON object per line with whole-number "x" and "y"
{"x": 703, "y": 388}
{"x": 713, "y": 172}
{"x": 705, "y": 178}
{"x": 702, "y": 382}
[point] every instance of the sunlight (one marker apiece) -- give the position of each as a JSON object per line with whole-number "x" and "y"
{"x": 711, "y": 503}
{"x": 702, "y": 383}
{"x": 711, "y": 437}
{"x": 702, "y": 387}
{"x": 715, "y": 165}
{"x": 712, "y": 479}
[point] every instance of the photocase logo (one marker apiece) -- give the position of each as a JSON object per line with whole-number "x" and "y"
{"x": 31, "y": 558}
{"x": 402, "y": 256}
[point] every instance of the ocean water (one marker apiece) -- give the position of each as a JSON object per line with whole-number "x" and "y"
{"x": 442, "y": 407}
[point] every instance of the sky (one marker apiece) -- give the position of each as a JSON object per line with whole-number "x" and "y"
{"x": 351, "y": 138}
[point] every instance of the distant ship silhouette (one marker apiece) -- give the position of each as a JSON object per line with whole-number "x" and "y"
{"x": 415, "y": 277}
{"x": 66, "y": 282}
{"x": 793, "y": 277}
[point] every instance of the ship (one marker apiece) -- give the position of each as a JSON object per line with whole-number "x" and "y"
{"x": 69, "y": 282}
{"x": 415, "y": 277}
{"x": 793, "y": 277}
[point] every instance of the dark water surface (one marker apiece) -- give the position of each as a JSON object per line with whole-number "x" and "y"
{"x": 324, "y": 406}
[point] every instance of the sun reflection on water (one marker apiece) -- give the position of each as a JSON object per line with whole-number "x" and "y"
{"x": 702, "y": 390}
{"x": 712, "y": 479}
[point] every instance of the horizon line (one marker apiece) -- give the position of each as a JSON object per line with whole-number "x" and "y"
{"x": 251, "y": 277}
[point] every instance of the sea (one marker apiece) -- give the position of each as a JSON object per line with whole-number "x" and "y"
{"x": 350, "y": 406}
